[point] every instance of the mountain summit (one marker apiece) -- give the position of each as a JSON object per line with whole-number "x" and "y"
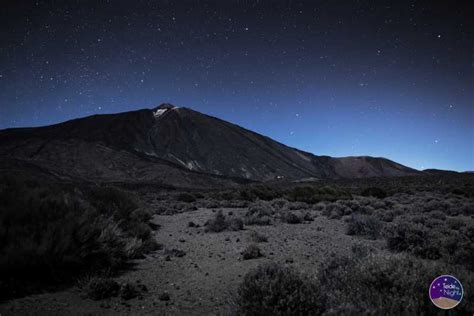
{"x": 175, "y": 145}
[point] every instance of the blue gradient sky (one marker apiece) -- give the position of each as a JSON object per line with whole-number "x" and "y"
{"x": 330, "y": 78}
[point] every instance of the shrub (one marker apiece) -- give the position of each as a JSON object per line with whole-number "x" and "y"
{"x": 364, "y": 225}
{"x": 457, "y": 191}
{"x": 292, "y": 218}
{"x": 101, "y": 288}
{"x": 433, "y": 239}
{"x": 308, "y": 217}
{"x": 375, "y": 192}
{"x": 256, "y": 220}
{"x": 186, "y": 197}
{"x": 259, "y": 214}
{"x": 217, "y": 224}
{"x": 293, "y": 206}
{"x": 51, "y": 233}
{"x": 130, "y": 290}
{"x": 275, "y": 290}
{"x": 414, "y": 238}
{"x": 234, "y": 203}
{"x": 336, "y": 210}
{"x": 251, "y": 252}
{"x": 385, "y": 285}
{"x": 220, "y": 223}
{"x": 259, "y": 192}
{"x": 279, "y": 203}
{"x": 385, "y": 215}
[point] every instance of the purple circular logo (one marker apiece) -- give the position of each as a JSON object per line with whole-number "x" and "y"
{"x": 446, "y": 292}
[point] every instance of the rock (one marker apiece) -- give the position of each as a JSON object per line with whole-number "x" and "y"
{"x": 164, "y": 296}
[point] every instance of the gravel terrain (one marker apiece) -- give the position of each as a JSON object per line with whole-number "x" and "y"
{"x": 204, "y": 280}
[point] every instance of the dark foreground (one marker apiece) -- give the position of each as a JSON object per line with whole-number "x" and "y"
{"x": 337, "y": 248}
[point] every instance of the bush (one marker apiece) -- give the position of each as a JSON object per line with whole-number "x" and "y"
{"x": 414, "y": 238}
{"x": 217, "y": 224}
{"x": 308, "y": 217}
{"x": 251, "y": 252}
{"x": 275, "y": 290}
{"x": 51, "y": 234}
{"x": 220, "y": 223}
{"x": 186, "y": 197}
{"x": 279, "y": 203}
{"x": 386, "y": 215}
{"x": 259, "y": 214}
{"x": 336, "y": 210}
{"x": 455, "y": 246}
{"x": 291, "y": 218}
{"x": 259, "y": 192}
{"x": 364, "y": 225}
{"x": 130, "y": 290}
{"x": 385, "y": 285}
{"x": 375, "y": 192}
{"x": 101, "y": 288}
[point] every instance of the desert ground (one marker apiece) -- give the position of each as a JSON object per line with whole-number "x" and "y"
{"x": 369, "y": 246}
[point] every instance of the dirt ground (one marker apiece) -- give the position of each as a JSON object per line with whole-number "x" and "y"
{"x": 205, "y": 279}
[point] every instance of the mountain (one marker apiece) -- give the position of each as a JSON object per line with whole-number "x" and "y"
{"x": 176, "y": 146}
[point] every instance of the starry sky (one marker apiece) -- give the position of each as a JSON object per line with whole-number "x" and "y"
{"x": 338, "y": 78}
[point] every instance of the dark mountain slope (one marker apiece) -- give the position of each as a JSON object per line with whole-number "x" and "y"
{"x": 175, "y": 146}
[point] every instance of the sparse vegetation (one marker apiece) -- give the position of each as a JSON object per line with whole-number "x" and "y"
{"x": 251, "y": 252}
{"x": 252, "y": 193}
{"x": 97, "y": 288}
{"x": 259, "y": 213}
{"x": 220, "y": 223}
{"x": 186, "y": 197}
{"x": 380, "y": 284}
{"x": 50, "y": 234}
{"x": 275, "y": 290}
{"x": 422, "y": 230}
{"x": 312, "y": 195}
{"x": 292, "y": 218}
{"x": 364, "y": 225}
{"x": 365, "y": 285}
{"x": 375, "y": 192}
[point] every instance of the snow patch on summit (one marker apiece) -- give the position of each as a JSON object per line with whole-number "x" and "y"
{"x": 162, "y": 109}
{"x": 159, "y": 112}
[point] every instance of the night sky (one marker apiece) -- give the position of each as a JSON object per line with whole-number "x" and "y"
{"x": 339, "y": 78}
